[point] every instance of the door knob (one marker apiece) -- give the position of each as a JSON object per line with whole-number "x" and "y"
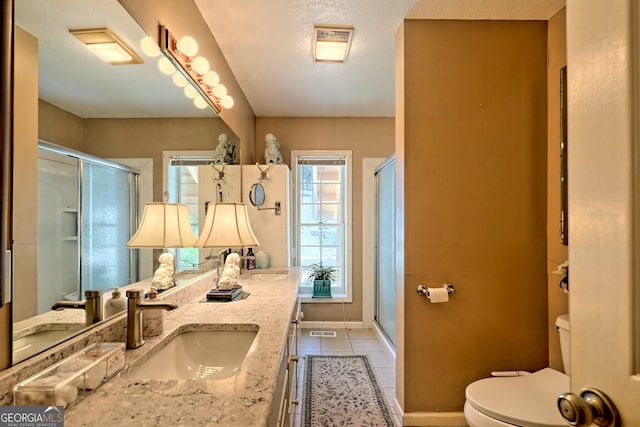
{"x": 591, "y": 407}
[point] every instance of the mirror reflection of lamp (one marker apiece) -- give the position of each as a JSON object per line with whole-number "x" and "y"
{"x": 164, "y": 225}
{"x": 226, "y": 226}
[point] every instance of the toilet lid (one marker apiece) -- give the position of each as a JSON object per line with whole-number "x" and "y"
{"x": 528, "y": 400}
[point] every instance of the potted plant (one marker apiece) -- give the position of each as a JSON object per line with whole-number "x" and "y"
{"x": 322, "y": 277}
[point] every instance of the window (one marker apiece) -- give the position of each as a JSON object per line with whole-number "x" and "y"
{"x": 323, "y": 215}
{"x": 183, "y": 184}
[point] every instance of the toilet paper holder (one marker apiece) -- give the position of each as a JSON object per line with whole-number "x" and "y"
{"x": 424, "y": 290}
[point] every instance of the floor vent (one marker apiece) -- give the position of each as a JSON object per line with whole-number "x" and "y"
{"x": 325, "y": 334}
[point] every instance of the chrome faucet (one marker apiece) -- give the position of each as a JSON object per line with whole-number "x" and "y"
{"x": 135, "y": 307}
{"x": 92, "y": 306}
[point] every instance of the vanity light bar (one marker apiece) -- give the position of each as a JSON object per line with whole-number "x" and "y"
{"x": 168, "y": 46}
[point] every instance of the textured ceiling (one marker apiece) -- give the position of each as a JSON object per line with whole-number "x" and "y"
{"x": 486, "y": 9}
{"x": 72, "y": 78}
{"x": 267, "y": 44}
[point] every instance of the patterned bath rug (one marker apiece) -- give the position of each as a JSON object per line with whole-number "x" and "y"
{"x": 342, "y": 391}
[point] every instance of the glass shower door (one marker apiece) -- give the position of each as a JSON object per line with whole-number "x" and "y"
{"x": 385, "y": 310}
{"x": 57, "y": 229}
{"x": 107, "y": 202}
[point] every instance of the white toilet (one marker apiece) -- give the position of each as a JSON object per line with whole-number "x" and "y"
{"x": 529, "y": 400}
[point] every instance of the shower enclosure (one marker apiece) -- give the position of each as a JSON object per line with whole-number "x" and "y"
{"x": 385, "y": 301}
{"x": 87, "y": 211}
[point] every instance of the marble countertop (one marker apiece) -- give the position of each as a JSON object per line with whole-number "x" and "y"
{"x": 242, "y": 400}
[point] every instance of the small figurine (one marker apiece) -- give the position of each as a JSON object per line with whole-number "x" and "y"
{"x": 221, "y": 150}
{"x": 163, "y": 277}
{"x": 271, "y": 151}
{"x": 225, "y": 152}
{"x": 231, "y": 156}
{"x": 230, "y": 273}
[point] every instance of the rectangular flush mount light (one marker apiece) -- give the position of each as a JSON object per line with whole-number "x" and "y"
{"x": 331, "y": 43}
{"x": 106, "y": 45}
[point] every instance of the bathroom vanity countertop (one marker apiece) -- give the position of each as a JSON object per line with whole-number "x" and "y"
{"x": 242, "y": 400}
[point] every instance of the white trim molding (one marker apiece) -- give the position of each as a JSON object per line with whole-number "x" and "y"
{"x": 346, "y": 293}
{"x": 145, "y": 166}
{"x": 369, "y": 167}
{"x": 330, "y": 325}
{"x": 439, "y": 419}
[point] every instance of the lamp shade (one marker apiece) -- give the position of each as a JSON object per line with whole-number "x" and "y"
{"x": 164, "y": 225}
{"x": 227, "y": 226}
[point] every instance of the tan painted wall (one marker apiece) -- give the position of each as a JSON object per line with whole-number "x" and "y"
{"x": 113, "y": 138}
{"x": 58, "y": 126}
{"x": 367, "y": 137}
{"x": 148, "y": 138}
{"x": 25, "y": 87}
{"x": 475, "y": 181}
{"x": 184, "y": 18}
{"x": 25, "y": 178}
{"x": 557, "y": 253}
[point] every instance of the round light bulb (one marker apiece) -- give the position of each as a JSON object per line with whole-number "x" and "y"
{"x": 226, "y": 102}
{"x": 166, "y": 66}
{"x": 211, "y": 78}
{"x": 187, "y": 45}
{"x": 200, "y": 103}
{"x": 200, "y": 65}
{"x": 190, "y": 92}
{"x": 220, "y": 91}
{"x": 179, "y": 80}
{"x": 149, "y": 47}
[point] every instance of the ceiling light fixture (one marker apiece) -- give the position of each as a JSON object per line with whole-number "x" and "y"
{"x": 331, "y": 43}
{"x": 189, "y": 71}
{"x": 106, "y": 45}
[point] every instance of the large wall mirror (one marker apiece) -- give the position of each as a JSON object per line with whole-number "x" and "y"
{"x": 107, "y": 111}
{"x": 564, "y": 162}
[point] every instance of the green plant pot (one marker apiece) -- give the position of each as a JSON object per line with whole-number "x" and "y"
{"x": 322, "y": 289}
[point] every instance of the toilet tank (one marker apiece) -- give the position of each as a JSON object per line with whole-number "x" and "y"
{"x": 562, "y": 326}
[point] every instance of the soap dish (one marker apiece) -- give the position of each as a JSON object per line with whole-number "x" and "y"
{"x": 69, "y": 380}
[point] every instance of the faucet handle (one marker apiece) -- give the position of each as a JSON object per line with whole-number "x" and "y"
{"x": 92, "y": 294}
{"x": 134, "y": 293}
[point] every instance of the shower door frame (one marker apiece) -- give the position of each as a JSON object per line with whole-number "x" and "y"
{"x": 134, "y": 174}
{"x": 389, "y": 162}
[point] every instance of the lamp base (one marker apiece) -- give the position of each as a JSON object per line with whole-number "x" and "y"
{"x": 224, "y": 294}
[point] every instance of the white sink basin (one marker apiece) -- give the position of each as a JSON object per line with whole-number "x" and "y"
{"x": 200, "y": 354}
{"x": 268, "y": 276}
{"x": 33, "y": 341}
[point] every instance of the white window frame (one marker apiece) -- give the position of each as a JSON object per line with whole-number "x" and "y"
{"x": 166, "y": 158}
{"x": 305, "y": 291}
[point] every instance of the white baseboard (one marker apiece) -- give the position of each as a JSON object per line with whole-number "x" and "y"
{"x": 384, "y": 340}
{"x": 433, "y": 419}
{"x": 309, "y": 324}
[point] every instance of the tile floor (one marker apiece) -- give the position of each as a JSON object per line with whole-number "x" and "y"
{"x": 346, "y": 342}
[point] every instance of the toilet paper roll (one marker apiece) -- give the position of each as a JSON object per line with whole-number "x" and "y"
{"x": 437, "y": 295}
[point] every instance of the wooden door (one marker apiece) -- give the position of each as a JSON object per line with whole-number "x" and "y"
{"x": 604, "y": 200}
